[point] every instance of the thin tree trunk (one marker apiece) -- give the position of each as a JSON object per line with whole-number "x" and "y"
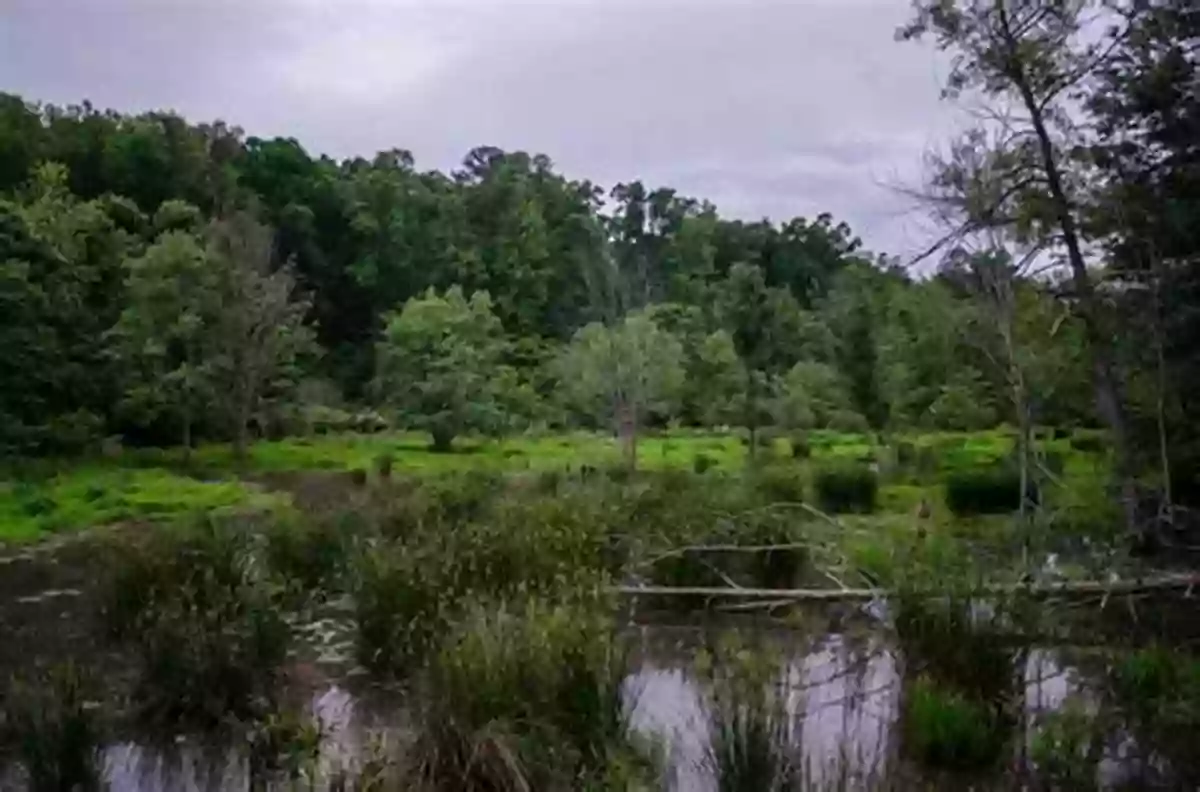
{"x": 1108, "y": 403}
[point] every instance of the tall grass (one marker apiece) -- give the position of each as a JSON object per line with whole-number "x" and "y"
{"x": 751, "y": 731}
{"x": 56, "y": 733}
{"x": 525, "y": 697}
{"x": 203, "y": 623}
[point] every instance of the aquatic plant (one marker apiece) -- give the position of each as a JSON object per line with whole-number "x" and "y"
{"x": 54, "y": 730}
{"x": 524, "y": 697}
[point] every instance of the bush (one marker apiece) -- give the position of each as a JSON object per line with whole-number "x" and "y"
{"x": 945, "y": 730}
{"x": 991, "y": 490}
{"x": 55, "y": 732}
{"x": 848, "y": 421}
{"x": 779, "y": 484}
{"x": 906, "y": 455}
{"x": 384, "y": 463}
{"x": 800, "y": 447}
{"x": 702, "y": 463}
{"x": 847, "y": 488}
{"x": 1089, "y": 442}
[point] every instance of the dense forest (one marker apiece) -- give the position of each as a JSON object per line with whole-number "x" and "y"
{"x": 165, "y": 281}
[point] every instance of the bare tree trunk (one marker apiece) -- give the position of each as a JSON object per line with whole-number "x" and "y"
{"x": 1108, "y": 403}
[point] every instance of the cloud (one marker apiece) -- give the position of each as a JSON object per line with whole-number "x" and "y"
{"x": 766, "y": 107}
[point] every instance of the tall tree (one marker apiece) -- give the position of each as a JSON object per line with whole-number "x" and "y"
{"x": 627, "y": 372}
{"x": 259, "y": 335}
{"x": 1027, "y": 56}
{"x": 171, "y": 307}
{"x": 438, "y": 363}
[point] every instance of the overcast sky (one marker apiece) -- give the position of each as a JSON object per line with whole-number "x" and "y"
{"x": 766, "y": 107}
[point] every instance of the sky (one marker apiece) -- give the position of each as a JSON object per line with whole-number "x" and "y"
{"x": 767, "y": 108}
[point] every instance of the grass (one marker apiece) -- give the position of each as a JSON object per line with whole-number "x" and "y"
{"x": 97, "y": 495}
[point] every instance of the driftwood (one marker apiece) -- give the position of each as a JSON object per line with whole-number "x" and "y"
{"x": 1065, "y": 588}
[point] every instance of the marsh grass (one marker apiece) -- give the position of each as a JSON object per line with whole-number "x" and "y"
{"x": 53, "y": 729}
{"x": 963, "y": 691}
{"x": 525, "y": 696}
{"x": 205, "y": 627}
{"x": 751, "y": 731}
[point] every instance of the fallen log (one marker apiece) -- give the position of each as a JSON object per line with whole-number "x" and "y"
{"x": 1045, "y": 589}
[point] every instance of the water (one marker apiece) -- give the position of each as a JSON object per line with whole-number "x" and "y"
{"x": 843, "y": 676}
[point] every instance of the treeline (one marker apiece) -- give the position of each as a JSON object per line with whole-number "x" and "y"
{"x": 149, "y": 263}
{"x": 109, "y": 225}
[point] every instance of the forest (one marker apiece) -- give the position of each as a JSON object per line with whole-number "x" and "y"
{"x": 471, "y": 415}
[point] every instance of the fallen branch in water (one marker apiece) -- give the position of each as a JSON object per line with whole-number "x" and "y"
{"x": 1072, "y": 587}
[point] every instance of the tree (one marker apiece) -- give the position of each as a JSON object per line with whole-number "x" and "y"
{"x": 60, "y": 289}
{"x": 258, "y": 333}
{"x": 1027, "y": 56}
{"x": 172, "y": 305}
{"x": 811, "y": 395}
{"x": 437, "y": 363}
{"x": 1147, "y": 111}
{"x": 626, "y": 373}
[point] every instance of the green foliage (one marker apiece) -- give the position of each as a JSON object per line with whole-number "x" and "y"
{"x": 633, "y": 369}
{"x": 812, "y": 395}
{"x": 1089, "y": 442}
{"x": 165, "y": 331}
{"x": 1061, "y": 748}
{"x": 991, "y": 490}
{"x": 527, "y": 696}
{"x": 207, "y": 636}
{"x": 437, "y": 363}
{"x": 308, "y": 553}
{"x": 55, "y": 730}
{"x": 963, "y": 405}
{"x": 750, "y": 728}
{"x": 846, "y": 487}
{"x": 946, "y": 730}
{"x": 780, "y": 483}
{"x": 90, "y": 496}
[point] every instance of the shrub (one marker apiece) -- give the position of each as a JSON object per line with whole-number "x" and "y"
{"x": 800, "y": 447}
{"x": 384, "y": 463}
{"x": 358, "y": 477}
{"x": 702, "y": 463}
{"x": 946, "y": 730}
{"x": 779, "y": 483}
{"x": 906, "y": 455}
{"x": 56, "y": 734}
{"x": 847, "y": 487}
{"x": 990, "y": 490}
{"x": 848, "y": 421}
{"x": 1089, "y": 442}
